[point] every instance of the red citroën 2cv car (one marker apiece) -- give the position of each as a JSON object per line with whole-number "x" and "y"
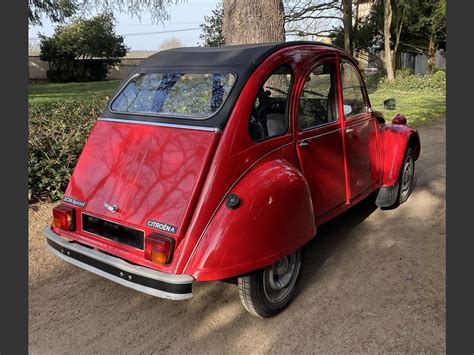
{"x": 220, "y": 163}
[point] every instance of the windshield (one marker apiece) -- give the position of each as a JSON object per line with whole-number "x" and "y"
{"x": 174, "y": 94}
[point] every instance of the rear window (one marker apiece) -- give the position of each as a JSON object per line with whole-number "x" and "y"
{"x": 174, "y": 94}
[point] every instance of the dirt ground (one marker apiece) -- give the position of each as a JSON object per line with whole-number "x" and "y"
{"x": 374, "y": 281}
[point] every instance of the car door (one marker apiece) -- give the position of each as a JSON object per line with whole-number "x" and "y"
{"x": 359, "y": 131}
{"x": 319, "y": 139}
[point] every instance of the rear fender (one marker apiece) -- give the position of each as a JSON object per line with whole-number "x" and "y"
{"x": 274, "y": 217}
{"x": 394, "y": 142}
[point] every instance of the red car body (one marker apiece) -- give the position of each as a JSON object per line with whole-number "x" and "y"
{"x": 179, "y": 176}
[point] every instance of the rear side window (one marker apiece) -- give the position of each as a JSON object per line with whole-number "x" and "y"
{"x": 318, "y": 101}
{"x": 174, "y": 94}
{"x": 352, "y": 91}
{"x": 269, "y": 117}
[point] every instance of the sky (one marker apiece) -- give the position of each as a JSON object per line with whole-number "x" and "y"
{"x": 185, "y": 15}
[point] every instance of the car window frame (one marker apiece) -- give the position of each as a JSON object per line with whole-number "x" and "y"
{"x": 304, "y": 75}
{"x": 343, "y": 60}
{"x": 287, "y": 108}
{"x": 123, "y": 85}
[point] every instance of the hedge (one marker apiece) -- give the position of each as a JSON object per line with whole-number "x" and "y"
{"x": 90, "y": 70}
{"x": 406, "y": 81}
{"x": 57, "y": 133}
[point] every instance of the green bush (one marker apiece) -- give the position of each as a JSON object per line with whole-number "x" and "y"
{"x": 372, "y": 81}
{"x": 404, "y": 73}
{"x": 412, "y": 82}
{"x": 57, "y": 133}
{"x": 73, "y": 51}
{"x": 91, "y": 70}
{"x": 439, "y": 78}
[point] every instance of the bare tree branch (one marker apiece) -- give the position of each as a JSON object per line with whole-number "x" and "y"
{"x": 316, "y": 18}
{"x": 311, "y": 17}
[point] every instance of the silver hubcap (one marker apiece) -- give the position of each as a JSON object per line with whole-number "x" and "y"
{"x": 407, "y": 177}
{"x": 280, "y": 278}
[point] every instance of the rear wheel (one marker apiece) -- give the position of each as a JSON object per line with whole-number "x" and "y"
{"x": 266, "y": 292}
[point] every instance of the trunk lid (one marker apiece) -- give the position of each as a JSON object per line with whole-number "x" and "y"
{"x": 151, "y": 173}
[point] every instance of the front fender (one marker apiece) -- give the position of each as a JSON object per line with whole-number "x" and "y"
{"x": 274, "y": 218}
{"x": 394, "y": 141}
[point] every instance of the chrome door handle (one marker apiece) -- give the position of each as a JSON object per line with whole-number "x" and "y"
{"x": 303, "y": 144}
{"x": 349, "y": 130}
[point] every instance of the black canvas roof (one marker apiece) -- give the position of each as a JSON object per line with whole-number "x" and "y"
{"x": 236, "y": 58}
{"x": 241, "y": 60}
{"x": 229, "y": 56}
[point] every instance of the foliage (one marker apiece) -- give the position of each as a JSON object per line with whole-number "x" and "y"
{"x": 366, "y": 39}
{"x": 59, "y": 10}
{"x": 369, "y": 34}
{"x": 336, "y": 36}
{"x": 83, "y": 50}
{"x": 404, "y": 73}
{"x": 412, "y": 23}
{"x": 372, "y": 81}
{"x": 60, "y": 119}
{"x": 439, "y": 77}
{"x": 413, "y": 82}
{"x": 427, "y": 18}
{"x": 55, "y": 10}
{"x": 212, "y": 34}
{"x": 57, "y": 133}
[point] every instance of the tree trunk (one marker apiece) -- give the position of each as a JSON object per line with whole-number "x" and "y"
{"x": 397, "y": 58}
{"x": 396, "y": 49}
{"x": 387, "y": 22}
{"x": 431, "y": 55}
{"x": 347, "y": 22}
{"x": 354, "y": 30}
{"x": 253, "y": 21}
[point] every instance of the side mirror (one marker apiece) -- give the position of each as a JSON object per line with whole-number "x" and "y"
{"x": 389, "y": 104}
{"x": 399, "y": 119}
{"x": 379, "y": 117}
{"x": 347, "y": 110}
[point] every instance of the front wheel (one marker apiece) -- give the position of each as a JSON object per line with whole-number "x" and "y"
{"x": 406, "y": 176}
{"x": 266, "y": 292}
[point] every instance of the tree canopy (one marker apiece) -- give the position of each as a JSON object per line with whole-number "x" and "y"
{"x": 72, "y": 48}
{"x": 417, "y": 26}
{"x": 212, "y": 34}
{"x": 59, "y": 10}
{"x": 55, "y": 10}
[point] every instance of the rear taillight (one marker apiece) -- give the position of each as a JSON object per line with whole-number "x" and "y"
{"x": 159, "y": 249}
{"x": 64, "y": 218}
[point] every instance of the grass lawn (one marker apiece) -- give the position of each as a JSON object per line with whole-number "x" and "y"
{"x": 419, "y": 106}
{"x": 47, "y": 92}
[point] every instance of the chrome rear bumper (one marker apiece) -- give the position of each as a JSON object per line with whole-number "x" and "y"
{"x": 152, "y": 282}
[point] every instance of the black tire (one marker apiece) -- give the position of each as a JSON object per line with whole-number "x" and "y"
{"x": 260, "y": 291}
{"x": 407, "y": 175}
